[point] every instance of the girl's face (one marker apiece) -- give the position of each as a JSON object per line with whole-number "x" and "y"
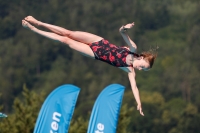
{"x": 141, "y": 64}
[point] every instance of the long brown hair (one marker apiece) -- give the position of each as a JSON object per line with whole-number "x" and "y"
{"x": 149, "y": 57}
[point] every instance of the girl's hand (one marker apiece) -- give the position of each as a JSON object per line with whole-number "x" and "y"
{"x": 139, "y": 107}
{"x": 127, "y": 26}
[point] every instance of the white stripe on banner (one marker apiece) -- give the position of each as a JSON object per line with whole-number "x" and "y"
{"x": 105, "y": 113}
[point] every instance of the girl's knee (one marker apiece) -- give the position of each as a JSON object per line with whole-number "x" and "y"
{"x": 64, "y": 40}
{"x": 67, "y": 33}
{"x": 71, "y": 34}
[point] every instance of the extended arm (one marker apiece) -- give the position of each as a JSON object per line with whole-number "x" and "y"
{"x": 131, "y": 44}
{"x": 131, "y": 76}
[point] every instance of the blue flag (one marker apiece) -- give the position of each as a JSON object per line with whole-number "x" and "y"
{"x": 104, "y": 117}
{"x": 57, "y": 110}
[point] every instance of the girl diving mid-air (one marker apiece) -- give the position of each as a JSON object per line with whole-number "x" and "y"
{"x": 99, "y": 48}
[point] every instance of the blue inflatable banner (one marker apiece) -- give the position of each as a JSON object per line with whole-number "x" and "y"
{"x": 57, "y": 110}
{"x": 104, "y": 117}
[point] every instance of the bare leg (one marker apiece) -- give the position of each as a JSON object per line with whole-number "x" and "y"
{"x": 80, "y": 36}
{"x": 78, "y": 46}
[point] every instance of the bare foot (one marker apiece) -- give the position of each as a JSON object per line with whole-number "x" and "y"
{"x": 27, "y": 25}
{"x": 32, "y": 20}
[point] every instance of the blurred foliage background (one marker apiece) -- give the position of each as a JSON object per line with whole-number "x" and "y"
{"x": 32, "y": 66}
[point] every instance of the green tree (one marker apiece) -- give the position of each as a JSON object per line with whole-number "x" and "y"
{"x": 124, "y": 119}
{"x": 25, "y": 113}
{"x": 79, "y": 125}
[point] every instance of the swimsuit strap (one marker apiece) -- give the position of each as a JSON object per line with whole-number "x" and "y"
{"x": 134, "y": 54}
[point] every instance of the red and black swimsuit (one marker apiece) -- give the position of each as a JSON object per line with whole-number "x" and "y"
{"x": 110, "y": 53}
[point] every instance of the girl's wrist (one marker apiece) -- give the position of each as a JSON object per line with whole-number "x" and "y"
{"x": 123, "y": 29}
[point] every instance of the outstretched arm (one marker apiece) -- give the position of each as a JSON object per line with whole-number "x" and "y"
{"x": 131, "y": 76}
{"x": 131, "y": 44}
